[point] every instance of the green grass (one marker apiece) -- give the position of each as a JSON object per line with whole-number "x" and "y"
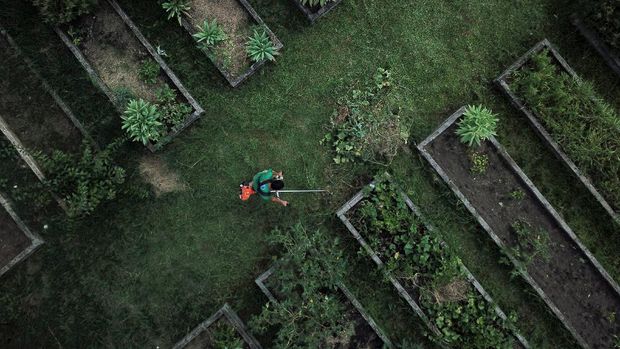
{"x": 143, "y": 273}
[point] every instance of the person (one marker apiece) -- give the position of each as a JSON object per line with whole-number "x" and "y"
{"x": 267, "y": 181}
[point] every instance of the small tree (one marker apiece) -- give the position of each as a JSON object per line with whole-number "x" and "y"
{"x": 478, "y": 124}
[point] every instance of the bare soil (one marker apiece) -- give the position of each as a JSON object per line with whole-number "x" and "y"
{"x": 30, "y": 112}
{"x": 115, "y": 53}
{"x": 155, "y": 171}
{"x": 12, "y": 239}
{"x": 237, "y": 24}
{"x": 568, "y": 278}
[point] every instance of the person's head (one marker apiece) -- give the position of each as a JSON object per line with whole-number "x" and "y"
{"x": 277, "y": 185}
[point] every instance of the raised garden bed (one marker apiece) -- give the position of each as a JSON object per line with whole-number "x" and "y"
{"x": 17, "y": 242}
{"x": 609, "y": 55}
{"x": 504, "y": 82}
{"x": 316, "y": 12}
{"x": 412, "y": 288}
{"x": 217, "y": 331}
{"x": 114, "y": 52}
{"x": 569, "y": 279}
{"x": 238, "y": 20}
{"x": 29, "y": 119}
{"x": 367, "y": 334}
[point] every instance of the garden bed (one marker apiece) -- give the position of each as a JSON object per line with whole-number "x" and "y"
{"x": 504, "y": 82}
{"x": 221, "y": 329}
{"x": 124, "y": 65}
{"x": 609, "y": 55}
{"x": 30, "y": 120}
{"x": 569, "y": 279}
{"x": 238, "y": 20}
{"x": 411, "y": 289}
{"x": 367, "y": 333}
{"x": 17, "y": 242}
{"x": 316, "y": 12}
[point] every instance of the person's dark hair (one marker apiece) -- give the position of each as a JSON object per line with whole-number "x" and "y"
{"x": 277, "y": 184}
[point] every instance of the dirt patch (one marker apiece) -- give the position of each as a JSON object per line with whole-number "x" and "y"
{"x": 155, "y": 171}
{"x": 12, "y": 239}
{"x": 115, "y": 53}
{"x": 30, "y": 112}
{"x": 572, "y": 283}
{"x": 454, "y": 291}
{"x": 236, "y": 23}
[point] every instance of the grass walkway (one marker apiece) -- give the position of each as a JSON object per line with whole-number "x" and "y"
{"x": 143, "y": 273}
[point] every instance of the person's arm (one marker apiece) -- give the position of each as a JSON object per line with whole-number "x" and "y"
{"x": 277, "y": 200}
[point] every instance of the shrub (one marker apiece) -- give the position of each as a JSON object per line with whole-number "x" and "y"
{"x": 478, "y": 124}
{"x": 260, "y": 47}
{"x": 142, "y": 122}
{"x": 172, "y": 112}
{"x": 84, "y": 180}
{"x": 313, "y": 3}
{"x": 176, "y": 9}
{"x": 149, "y": 71}
{"x": 209, "y": 35}
{"x": 577, "y": 118}
{"x": 63, "y": 11}
{"x": 307, "y": 275}
{"x": 226, "y": 336}
{"x": 367, "y": 124}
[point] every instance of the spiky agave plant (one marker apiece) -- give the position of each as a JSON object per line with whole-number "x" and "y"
{"x": 142, "y": 122}
{"x": 209, "y": 34}
{"x": 478, "y": 124}
{"x": 176, "y": 8}
{"x": 260, "y": 47}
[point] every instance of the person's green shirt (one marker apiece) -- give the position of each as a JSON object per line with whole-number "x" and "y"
{"x": 260, "y": 177}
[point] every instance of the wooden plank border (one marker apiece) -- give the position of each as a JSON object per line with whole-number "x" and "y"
{"x": 608, "y": 55}
{"x": 229, "y": 315}
{"x": 261, "y": 283}
{"x": 35, "y": 239}
{"x": 531, "y": 116}
{"x": 314, "y": 16}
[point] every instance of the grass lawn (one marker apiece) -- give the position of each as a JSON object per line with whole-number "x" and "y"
{"x": 142, "y": 273}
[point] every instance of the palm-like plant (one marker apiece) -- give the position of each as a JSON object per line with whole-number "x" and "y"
{"x": 210, "y": 34}
{"x": 260, "y": 47}
{"x": 176, "y": 8}
{"x": 478, "y": 124}
{"x": 141, "y": 120}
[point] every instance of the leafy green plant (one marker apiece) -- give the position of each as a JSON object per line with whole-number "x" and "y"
{"x": 63, "y": 11}
{"x": 478, "y": 124}
{"x": 577, "y": 118}
{"x": 530, "y": 242}
{"x": 176, "y": 9}
{"x": 149, "y": 71}
{"x": 209, "y": 35}
{"x": 84, "y": 180}
{"x": 314, "y": 3}
{"x": 517, "y": 194}
{"x": 367, "y": 124}
{"x": 142, "y": 121}
{"x": 173, "y": 113}
{"x": 260, "y": 47}
{"x": 225, "y": 336}
{"x": 305, "y": 283}
{"x": 479, "y": 162}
